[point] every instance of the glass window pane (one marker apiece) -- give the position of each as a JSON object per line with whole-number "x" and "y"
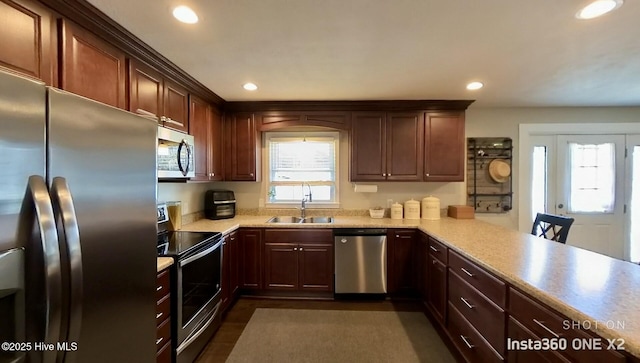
{"x": 592, "y": 175}
{"x": 297, "y": 158}
{"x": 539, "y": 181}
{"x": 635, "y": 205}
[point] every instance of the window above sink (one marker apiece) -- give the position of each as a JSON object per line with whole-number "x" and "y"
{"x": 302, "y": 156}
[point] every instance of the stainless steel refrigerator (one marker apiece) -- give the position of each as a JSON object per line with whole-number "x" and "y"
{"x": 78, "y": 212}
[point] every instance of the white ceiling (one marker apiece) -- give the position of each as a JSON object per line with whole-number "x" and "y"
{"x": 528, "y": 53}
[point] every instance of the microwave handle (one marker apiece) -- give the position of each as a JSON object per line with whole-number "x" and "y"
{"x": 185, "y": 169}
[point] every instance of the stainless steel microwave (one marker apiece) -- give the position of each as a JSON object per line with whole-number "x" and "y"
{"x": 175, "y": 154}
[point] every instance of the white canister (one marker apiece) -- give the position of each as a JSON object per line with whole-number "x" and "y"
{"x": 396, "y": 211}
{"x": 431, "y": 208}
{"x": 412, "y": 209}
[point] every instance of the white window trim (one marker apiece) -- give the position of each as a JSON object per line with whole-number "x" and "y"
{"x": 267, "y": 162}
{"x": 526, "y": 131}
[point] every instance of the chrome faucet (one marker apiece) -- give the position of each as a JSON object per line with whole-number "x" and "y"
{"x": 304, "y": 201}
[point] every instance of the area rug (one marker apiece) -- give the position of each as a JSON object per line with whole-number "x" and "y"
{"x": 293, "y": 335}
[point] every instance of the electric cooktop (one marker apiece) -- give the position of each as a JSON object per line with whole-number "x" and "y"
{"x": 179, "y": 243}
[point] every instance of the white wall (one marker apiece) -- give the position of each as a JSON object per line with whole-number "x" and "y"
{"x": 480, "y": 122}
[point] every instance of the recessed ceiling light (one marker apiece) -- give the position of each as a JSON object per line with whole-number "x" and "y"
{"x": 598, "y": 8}
{"x": 185, "y": 14}
{"x": 250, "y": 86}
{"x": 474, "y": 86}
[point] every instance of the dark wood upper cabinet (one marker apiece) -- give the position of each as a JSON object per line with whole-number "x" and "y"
{"x": 368, "y": 146}
{"x": 29, "y": 42}
{"x": 444, "y": 146}
{"x": 404, "y": 146}
{"x": 92, "y": 67}
{"x": 156, "y": 97}
{"x": 145, "y": 90}
{"x": 176, "y": 111}
{"x": 386, "y": 146}
{"x": 216, "y": 146}
{"x": 200, "y": 122}
{"x": 242, "y": 145}
{"x": 273, "y": 120}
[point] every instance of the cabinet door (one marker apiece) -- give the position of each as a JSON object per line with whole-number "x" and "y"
{"x": 316, "y": 267}
{"x": 28, "y": 36}
{"x": 368, "y": 146}
{"x": 444, "y": 146}
{"x": 234, "y": 264}
{"x": 424, "y": 266}
{"x": 402, "y": 266}
{"x": 251, "y": 259}
{"x": 175, "y": 106}
{"x": 404, "y": 148}
{"x": 199, "y": 120}
{"x": 281, "y": 266}
{"x": 215, "y": 146}
{"x": 145, "y": 90}
{"x": 437, "y": 296}
{"x": 225, "y": 283}
{"x": 241, "y": 160}
{"x": 91, "y": 67}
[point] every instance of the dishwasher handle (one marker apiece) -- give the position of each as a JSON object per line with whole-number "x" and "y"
{"x": 359, "y": 232}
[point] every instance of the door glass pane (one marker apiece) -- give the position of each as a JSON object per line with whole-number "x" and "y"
{"x": 592, "y": 178}
{"x": 539, "y": 181}
{"x": 635, "y": 206}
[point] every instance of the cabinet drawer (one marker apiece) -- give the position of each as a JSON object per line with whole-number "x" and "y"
{"x": 485, "y": 316}
{"x": 548, "y": 324}
{"x": 438, "y": 250}
{"x": 163, "y": 309}
{"x": 477, "y": 277}
{"x": 163, "y": 334}
{"x": 301, "y": 235}
{"x": 162, "y": 287}
{"x": 164, "y": 354}
{"x": 518, "y": 332}
{"x": 468, "y": 341}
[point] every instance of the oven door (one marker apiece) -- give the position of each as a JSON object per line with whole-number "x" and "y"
{"x": 198, "y": 288}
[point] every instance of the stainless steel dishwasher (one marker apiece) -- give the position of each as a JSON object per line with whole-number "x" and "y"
{"x": 360, "y": 261}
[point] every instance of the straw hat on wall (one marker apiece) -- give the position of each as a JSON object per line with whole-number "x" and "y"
{"x": 499, "y": 170}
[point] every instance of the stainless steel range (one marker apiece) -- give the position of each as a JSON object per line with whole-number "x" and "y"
{"x": 198, "y": 268}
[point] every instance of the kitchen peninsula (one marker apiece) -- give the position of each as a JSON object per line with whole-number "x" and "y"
{"x": 594, "y": 292}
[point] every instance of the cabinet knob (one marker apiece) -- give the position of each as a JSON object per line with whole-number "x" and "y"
{"x": 250, "y": 174}
{"x": 300, "y": 248}
{"x": 389, "y": 174}
{"x": 427, "y": 174}
{"x": 384, "y": 174}
{"x": 295, "y": 249}
{"x": 213, "y": 174}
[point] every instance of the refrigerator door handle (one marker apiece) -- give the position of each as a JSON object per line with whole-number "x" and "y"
{"x": 185, "y": 169}
{"x": 65, "y": 211}
{"x": 36, "y": 206}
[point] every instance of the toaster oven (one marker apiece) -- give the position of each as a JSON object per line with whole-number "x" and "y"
{"x": 219, "y": 204}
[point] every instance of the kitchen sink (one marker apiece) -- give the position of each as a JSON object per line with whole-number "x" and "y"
{"x": 317, "y": 220}
{"x": 289, "y": 219}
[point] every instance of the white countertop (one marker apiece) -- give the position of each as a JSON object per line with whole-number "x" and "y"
{"x": 583, "y": 285}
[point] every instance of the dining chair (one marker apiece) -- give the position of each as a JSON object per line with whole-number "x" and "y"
{"x": 552, "y": 227}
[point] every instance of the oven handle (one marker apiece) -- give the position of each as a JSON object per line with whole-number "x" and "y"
{"x": 200, "y": 330}
{"x": 188, "y": 260}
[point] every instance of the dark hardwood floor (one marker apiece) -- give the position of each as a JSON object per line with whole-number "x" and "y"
{"x": 236, "y": 319}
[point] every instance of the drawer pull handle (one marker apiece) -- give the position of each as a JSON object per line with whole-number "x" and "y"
{"x": 541, "y": 323}
{"x": 159, "y": 340}
{"x": 467, "y": 272}
{"x": 158, "y": 315}
{"x": 467, "y": 303}
{"x": 158, "y": 288}
{"x": 466, "y": 342}
{"x": 434, "y": 249}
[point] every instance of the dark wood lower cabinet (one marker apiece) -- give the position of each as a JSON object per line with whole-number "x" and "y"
{"x": 470, "y": 343}
{"x": 163, "y": 316}
{"x": 230, "y": 269}
{"x": 402, "y": 263}
{"x": 516, "y": 331}
{"x": 250, "y": 259}
{"x": 437, "y": 294}
{"x": 298, "y": 260}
